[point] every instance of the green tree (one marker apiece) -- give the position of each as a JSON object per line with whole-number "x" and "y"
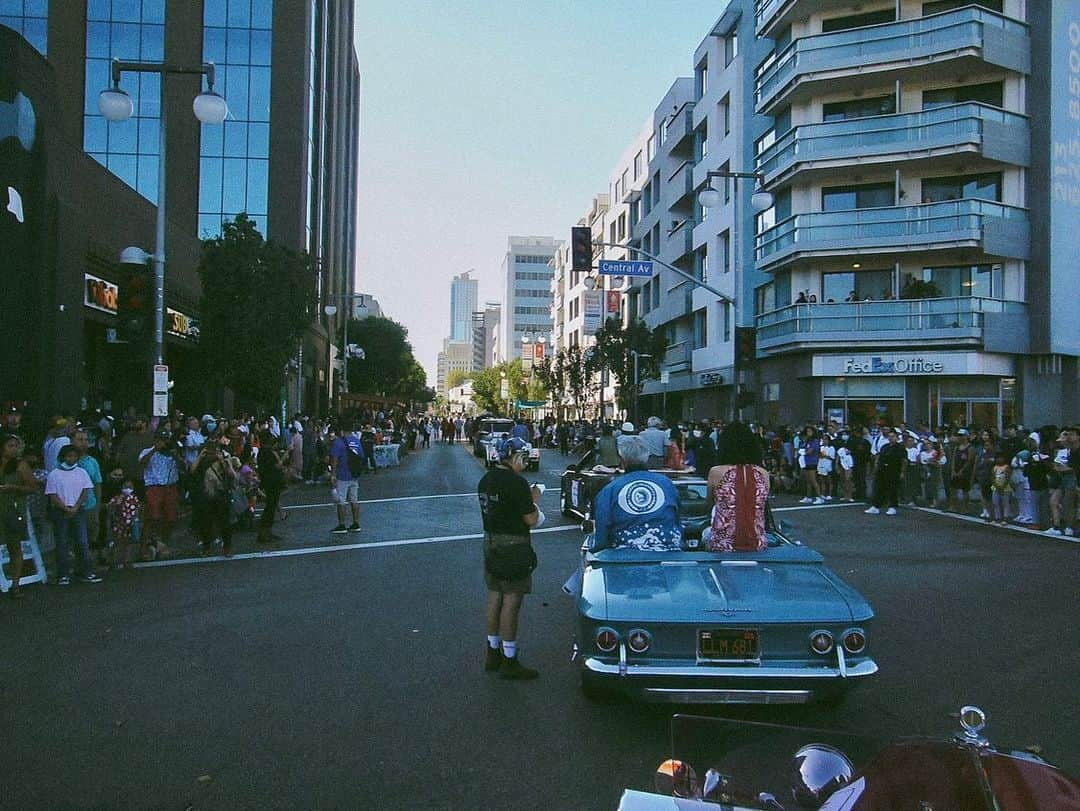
{"x": 456, "y": 378}
{"x": 388, "y": 367}
{"x": 258, "y": 298}
{"x": 615, "y": 345}
{"x": 487, "y": 387}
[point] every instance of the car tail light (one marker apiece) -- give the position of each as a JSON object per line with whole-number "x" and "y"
{"x": 821, "y": 642}
{"x": 854, "y": 641}
{"x": 606, "y": 640}
{"x": 638, "y": 640}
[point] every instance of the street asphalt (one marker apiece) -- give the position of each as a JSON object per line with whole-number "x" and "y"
{"x": 345, "y": 671}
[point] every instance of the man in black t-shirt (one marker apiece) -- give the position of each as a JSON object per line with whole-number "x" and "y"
{"x": 508, "y": 507}
{"x": 892, "y": 458}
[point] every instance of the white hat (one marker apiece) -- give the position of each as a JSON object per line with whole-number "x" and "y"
{"x": 962, "y": 432}
{"x": 1036, "y": 437}
{"x": 653, "y": 422}
{"x": 627, "y": 428}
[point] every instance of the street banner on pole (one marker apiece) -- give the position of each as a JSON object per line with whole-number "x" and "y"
{"x": 594, "y": 311}
{"x": 628, "y": 267}
{"x": 614, "y": 302}
{"x": 538, "y": 353}
{"x": 527, "y": 355}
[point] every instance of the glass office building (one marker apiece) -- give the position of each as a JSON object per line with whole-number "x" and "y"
{"x": 234, "y": 159}
{"x": 132, "y": 30}
{"x": 30, "y": 18}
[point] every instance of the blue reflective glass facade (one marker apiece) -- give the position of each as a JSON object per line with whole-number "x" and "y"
{"x": 132, "y": 30}
{"x": 234, "y": 158}
{"x": 29, "y": 18}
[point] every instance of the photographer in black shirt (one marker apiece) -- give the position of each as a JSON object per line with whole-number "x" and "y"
{"x": 508, "y": 507}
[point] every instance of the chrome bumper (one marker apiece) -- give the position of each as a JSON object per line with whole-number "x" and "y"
{"x": 863, "y": 669}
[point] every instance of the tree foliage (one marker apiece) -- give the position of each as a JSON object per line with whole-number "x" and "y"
{"x": 456, "y": 378}
{"x": 388, "y": 367}
{"x": 258, "y": 298}
{"x": 569, "y": 374}
{"x": 615, "y": 345}
{"x": 487, "y": 387}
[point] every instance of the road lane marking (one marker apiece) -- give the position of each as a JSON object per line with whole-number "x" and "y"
{"x": 817, "y": 506}
{"x": 971, "y": 519}
{"x": 388, "y": 500}
{"x": 319, "y": 550}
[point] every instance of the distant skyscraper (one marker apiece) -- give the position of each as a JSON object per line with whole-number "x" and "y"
{"x": 485, "y": 323}
{"x": 526, "y": 302}
{"x": 463, "y": 299}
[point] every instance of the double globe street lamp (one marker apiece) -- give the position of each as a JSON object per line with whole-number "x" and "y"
{"x": 115, "y": 104}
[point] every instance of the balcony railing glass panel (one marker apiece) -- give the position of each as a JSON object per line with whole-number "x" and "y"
{"x": 936, "y": 33}
{"x": 953, "y": 124}
{"x": 892, "y": 225}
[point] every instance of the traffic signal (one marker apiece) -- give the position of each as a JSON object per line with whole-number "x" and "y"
{"x": 581, "y": 249}
{"x": 135, "y": 304}
{"x": 746, "y": 345}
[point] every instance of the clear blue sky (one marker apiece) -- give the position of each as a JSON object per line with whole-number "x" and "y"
{"x": 485, "y": 118}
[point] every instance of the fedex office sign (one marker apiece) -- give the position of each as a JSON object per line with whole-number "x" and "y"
{"x": 877, "y": 365}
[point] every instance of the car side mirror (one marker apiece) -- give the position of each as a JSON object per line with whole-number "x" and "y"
{"x": 588, "y": 526}
{"x": 783, "y": 526}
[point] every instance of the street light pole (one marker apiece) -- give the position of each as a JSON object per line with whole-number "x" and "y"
{"x": 209, "y": 108}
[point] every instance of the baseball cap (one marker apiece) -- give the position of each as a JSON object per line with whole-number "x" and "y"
{"x": 962, "y": 432}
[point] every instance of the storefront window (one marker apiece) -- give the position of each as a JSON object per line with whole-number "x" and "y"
{"x": 864, "y": 402}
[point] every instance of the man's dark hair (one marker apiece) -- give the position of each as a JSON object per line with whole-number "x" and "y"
{"x": 739, "y": 446}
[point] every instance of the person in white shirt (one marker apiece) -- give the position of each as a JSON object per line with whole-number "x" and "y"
{"x": 826, "y": 462}
{"x": 59, "y": 437}
{"x": 68, "y": 487}
{"x": 846, "y": 463}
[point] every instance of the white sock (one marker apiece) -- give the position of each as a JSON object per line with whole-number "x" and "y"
{"x": 494, "y": 642}
{"x": 509, "y": 648}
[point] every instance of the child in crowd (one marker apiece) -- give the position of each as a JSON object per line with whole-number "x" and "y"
{"x": 1001, "y": 488}
{"x": 826, "y": 460}
{"x": 846, "y": 464}
{"x": 124, "y": 510}
{"x": 247, "y": 481}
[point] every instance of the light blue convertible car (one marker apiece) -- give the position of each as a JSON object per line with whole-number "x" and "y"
{"x": 692, "y": 626}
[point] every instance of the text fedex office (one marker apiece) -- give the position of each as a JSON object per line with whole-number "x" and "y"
{"x": 900, "y": 366}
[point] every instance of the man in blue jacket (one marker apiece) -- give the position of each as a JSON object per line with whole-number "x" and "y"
{"x": 640, "y": 509}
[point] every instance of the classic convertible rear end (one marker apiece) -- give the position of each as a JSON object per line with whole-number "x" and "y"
{"x": 776, "y": 626}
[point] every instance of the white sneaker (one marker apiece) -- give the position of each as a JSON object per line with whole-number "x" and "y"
{"x": 1053, "y": 531}
{"x": 1069, "y": 531}
{"x": 828, "y": 498}
{"x": 806, "y": 500}
{"x": 985, "y": 514}
{"x": 819, "y": 500}
{"x": 891, "y": 511}
{"x": 872, "y": 511}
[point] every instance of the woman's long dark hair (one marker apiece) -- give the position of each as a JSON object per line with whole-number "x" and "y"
{"x": 739, "y": 446}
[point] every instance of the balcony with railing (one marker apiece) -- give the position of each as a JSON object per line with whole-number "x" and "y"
{"x": 681, "y": 185}
{"x": 996, "y": 229}
{"x": 771, "y": 15}
{"x": 991, "y": 132}
{"x": 994, "y": 324}
{"x": 680, "y": 126}
{"x": 918, "y": 44}
{"x": 679, "y": 356}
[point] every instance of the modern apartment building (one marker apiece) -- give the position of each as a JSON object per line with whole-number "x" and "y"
{"x": 287, "y": 156}
{"x": 526, "y": 295}
{"x": 921, "y": 252}
{"x": 463, "y": 300}
{"x": 704, "y": 123}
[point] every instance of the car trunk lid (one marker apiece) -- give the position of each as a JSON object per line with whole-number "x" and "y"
{"x": 752, "y": 591}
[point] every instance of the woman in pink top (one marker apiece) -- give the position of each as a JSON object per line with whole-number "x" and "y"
{"x": 738, "y": 490}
